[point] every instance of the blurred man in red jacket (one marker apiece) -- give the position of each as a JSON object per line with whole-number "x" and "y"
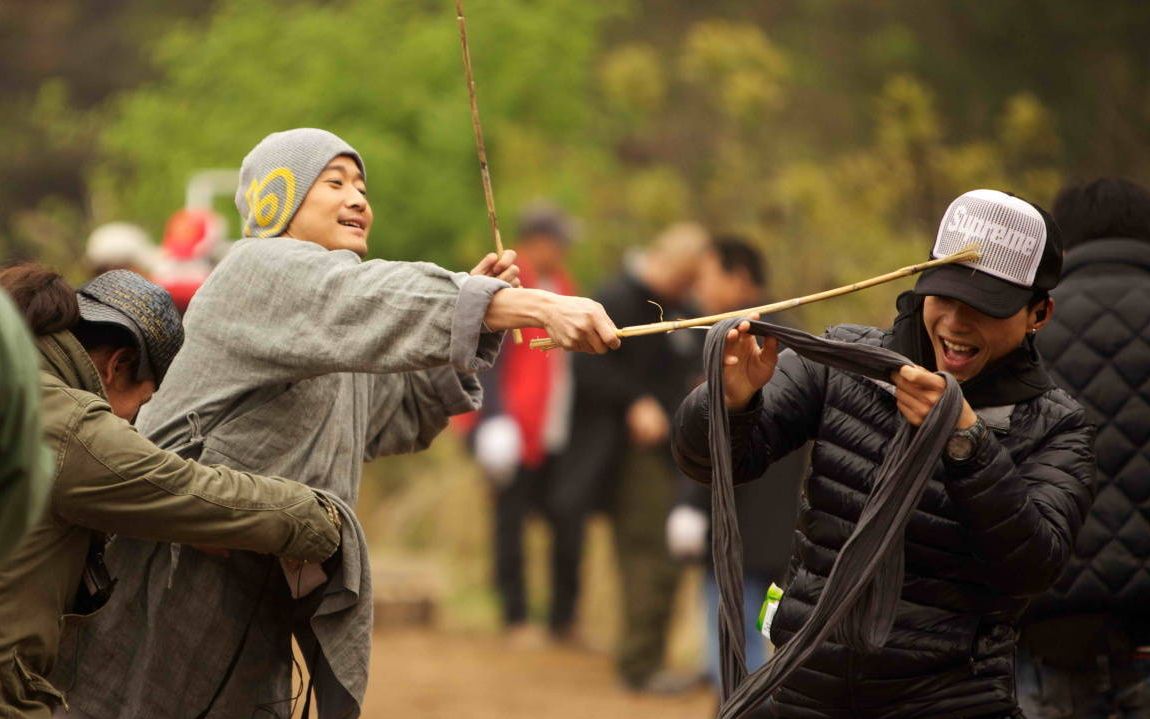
{"x": 522, "y": 428}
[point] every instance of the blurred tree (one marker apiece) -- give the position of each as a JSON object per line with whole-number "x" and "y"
{"x": 59, "y": 62}
{"x": 386, "y": 76}
{"x": 832, "y": 131}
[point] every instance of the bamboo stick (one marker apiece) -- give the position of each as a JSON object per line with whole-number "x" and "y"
{"x": 480, "y": 148}
{"x": 969, "y": 254}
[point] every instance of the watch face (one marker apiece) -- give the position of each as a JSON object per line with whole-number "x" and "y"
{"x": 960, "y": 447}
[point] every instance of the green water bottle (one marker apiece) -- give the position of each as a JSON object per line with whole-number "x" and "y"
{"x": 767, "y": 611}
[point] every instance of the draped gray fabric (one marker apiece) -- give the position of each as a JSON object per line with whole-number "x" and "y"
{"x": 857, "y": 605}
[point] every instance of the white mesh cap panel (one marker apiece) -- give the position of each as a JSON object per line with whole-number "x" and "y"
{"x": 1009, "y": 233}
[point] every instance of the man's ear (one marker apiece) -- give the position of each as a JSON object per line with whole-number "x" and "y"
{"x": 104, "y": 366}
{"x": 119, "y": 371}
{"x": 1041, "y": 314}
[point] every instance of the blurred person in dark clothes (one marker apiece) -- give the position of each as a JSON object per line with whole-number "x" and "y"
{"x": 619, "y": 457}
{"x": 1086, "y": 642}
{"x": 733, "y": 275}
{"x": 522, "y": 428}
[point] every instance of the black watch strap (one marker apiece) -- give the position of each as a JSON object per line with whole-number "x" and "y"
{"x": 964, "y": 444}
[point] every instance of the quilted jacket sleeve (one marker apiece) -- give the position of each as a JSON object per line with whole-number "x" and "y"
{"x": 1023, "y": 518}
{"x": 783, "y": 416}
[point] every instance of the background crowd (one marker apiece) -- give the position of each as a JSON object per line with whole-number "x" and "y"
{"x": 695, "y": 160}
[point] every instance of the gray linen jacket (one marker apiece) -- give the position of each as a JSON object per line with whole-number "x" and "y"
{"x": 303, "y": 363}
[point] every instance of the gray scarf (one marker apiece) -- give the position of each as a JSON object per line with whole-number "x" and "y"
{"x": 858, "y": 603}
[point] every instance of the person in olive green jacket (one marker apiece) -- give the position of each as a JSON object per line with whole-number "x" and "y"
{"x": 25, "y": 463}
{"x": 103, "y": 352}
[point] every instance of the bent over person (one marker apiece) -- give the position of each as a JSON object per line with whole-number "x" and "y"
{"x": 997, "y": 520}
{"x": 301, "y": 359}
{"x": 102, "y": 354}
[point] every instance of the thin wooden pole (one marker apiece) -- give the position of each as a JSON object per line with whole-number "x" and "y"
{"x": 480, "y": 148}
{"x": 969, "y": 254}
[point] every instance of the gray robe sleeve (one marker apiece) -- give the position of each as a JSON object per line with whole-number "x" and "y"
{"x": 408, "y": 410}
{"x": 289, "y": 310}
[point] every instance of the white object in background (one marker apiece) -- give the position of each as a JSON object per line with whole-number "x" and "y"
{"x": 498, "y": 448}
{"x": 687, "y": 532}
{"x": 121, "y": 244}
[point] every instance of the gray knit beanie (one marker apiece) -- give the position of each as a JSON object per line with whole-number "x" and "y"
{"x": 279, "y": 171}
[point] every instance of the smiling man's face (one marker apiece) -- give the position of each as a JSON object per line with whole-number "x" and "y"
{"x": 966, "y": 341}
{"x": 335, "y": 214}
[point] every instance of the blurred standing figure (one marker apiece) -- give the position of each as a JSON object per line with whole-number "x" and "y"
{"x": 523, "y": 427}
{"x": 1087, "y": 641}
{"x": 25, "y": 463}
{"x": 120, "y": 246}
{"x": 620, "y": 456}
{"x": 734, "y": 275}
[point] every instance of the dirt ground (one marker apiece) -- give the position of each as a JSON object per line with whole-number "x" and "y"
{"x": 428, "y": 520}
{"x": 434, "y": 674}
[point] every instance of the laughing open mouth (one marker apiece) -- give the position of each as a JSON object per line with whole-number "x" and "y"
{"x": 357, "y": 224}
{"x": 957, "y": 352}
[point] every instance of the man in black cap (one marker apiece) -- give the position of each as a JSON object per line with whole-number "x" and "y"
{"x": 998, "y": 517}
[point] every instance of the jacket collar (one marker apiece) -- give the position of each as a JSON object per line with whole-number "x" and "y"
{"x": 1015, "y": 378}
{"x": 1118, "y": 250}
{"x": 62, "y": 356}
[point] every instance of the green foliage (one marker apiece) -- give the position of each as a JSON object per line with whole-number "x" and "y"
{"x": 48, "y": 134}
{"x": 738, "y": 63}
{"x": 387, "y": 77}
{"x": 831, "y": 132}
{"x": 634, "y": 85}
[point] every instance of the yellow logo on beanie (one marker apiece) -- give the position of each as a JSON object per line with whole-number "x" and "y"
{"x": 269, "y": 210}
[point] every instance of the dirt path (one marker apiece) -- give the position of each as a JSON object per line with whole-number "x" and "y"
{"x": 437, "y": 675}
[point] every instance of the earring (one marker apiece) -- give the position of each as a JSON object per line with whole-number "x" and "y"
{"x": 1033, "y": 330}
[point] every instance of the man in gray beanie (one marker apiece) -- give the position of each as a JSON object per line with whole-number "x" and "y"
{"x": 302, "y": 360}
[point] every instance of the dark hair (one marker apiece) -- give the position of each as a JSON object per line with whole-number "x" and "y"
{"x": 49, "y": 305}
{"x": 737, "y": 253}
{"x": 1108, "y": 207}
{"x": 45, "y": 298}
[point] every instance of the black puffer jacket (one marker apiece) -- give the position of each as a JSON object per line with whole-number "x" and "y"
{"x": 1098, "y": 347}
{"x": 982, "y": 538}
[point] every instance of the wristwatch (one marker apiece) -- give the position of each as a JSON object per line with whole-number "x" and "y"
{"x": 329, "y": 509}
{"x": 963, "y": 444}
